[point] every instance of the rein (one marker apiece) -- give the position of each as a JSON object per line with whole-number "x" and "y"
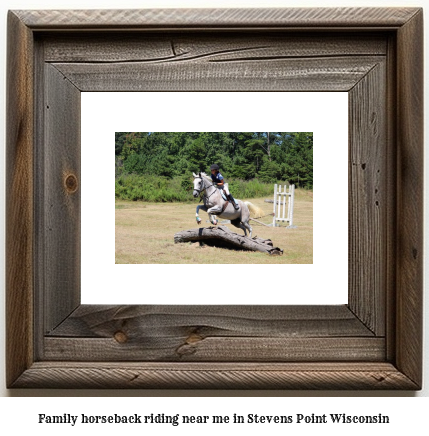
{"x": 201, "y": 191}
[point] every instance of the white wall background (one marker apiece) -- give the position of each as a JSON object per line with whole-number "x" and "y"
{"x": 85, "y": 4}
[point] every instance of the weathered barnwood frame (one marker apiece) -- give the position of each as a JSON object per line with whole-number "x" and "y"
{"x": 373, "y": 342}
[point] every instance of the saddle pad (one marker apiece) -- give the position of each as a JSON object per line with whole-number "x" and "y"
{"x": 224, "y": 197}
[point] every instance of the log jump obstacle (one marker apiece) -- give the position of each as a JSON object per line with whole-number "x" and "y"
{"x": 221, "y": 236}
{"x": 280, "y": 212}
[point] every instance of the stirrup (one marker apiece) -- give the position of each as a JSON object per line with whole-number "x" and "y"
{"x": 234, "y": 204}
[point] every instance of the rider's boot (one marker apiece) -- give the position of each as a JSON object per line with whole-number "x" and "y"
{"x": 231, "y": 199}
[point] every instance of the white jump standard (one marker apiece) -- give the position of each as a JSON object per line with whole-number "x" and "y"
{"x": 279, "y": 208}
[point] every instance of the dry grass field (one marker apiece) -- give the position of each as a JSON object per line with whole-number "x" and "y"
{"x": 145, "y": 232}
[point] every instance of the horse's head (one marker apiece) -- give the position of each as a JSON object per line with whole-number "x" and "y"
{"x": 198, "y": 184}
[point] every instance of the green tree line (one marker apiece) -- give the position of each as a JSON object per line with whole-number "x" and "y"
{"x": 266, "y": 156}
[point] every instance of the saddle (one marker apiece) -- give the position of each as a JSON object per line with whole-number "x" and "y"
{"x": 227, "y": 201}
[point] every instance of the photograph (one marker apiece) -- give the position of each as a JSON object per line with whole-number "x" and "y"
{"x": 227, "y": 197}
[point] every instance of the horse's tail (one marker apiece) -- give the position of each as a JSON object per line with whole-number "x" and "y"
{"x": 255, "y": 211}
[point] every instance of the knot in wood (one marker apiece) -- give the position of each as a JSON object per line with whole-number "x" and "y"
{"x": 70, "y": 183}
{"x": 193, "y": 338}
{"x": 120, "y": 337}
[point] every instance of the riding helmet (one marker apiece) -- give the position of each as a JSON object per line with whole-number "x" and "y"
{"x": 214, "y": 167}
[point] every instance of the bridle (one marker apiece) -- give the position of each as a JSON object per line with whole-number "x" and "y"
{"x": 201, "y": 191}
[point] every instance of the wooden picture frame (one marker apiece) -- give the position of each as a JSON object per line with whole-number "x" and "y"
{"x": 373, "y": 342}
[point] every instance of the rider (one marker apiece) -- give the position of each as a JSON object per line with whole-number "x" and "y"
{"x": 219, "y": 181}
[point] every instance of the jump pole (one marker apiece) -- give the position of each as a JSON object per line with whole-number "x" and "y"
{"x": 280, "y": 197}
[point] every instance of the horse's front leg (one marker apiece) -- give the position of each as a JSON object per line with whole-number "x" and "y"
{"x": 213, "y": 219}
{"x": 215, "y": 210}
{"x": 198, "y": 209}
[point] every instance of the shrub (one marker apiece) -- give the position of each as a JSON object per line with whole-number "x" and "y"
{"x": 161, "y": 189}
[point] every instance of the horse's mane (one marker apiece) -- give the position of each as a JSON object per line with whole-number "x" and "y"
{"x": 205, "y": 176}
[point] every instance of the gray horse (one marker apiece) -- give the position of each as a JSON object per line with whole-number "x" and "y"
{"x": 215, "y": 205}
